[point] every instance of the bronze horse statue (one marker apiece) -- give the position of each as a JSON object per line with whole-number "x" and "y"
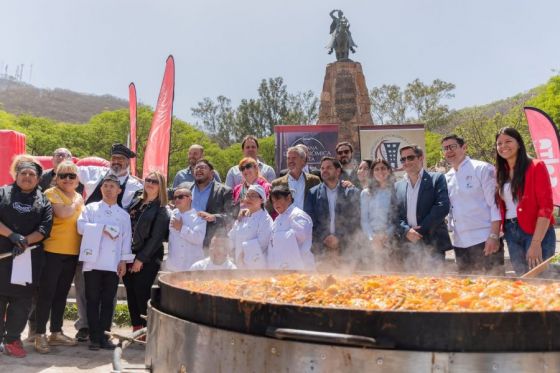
{"x": 341, "y": 37}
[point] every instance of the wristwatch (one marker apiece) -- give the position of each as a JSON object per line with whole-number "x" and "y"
{"x": 494, "y": 236}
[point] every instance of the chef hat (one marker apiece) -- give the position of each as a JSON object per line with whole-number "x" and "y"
{"x": 259, "y": 189}
{"x": 120, "y": 149}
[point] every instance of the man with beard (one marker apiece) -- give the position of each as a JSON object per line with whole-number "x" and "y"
{"x": 196, "y": 153}
{"x": 335, "y": 214}
{"x": 344, "y": 153}
{"x": 211, "y": 199}
{"x": 92, "y": 178}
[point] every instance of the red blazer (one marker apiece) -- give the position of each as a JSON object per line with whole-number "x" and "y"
{"x": 536, "y": 200}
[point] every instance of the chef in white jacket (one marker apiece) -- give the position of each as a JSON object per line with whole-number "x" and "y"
{"x": 186, "y": 232}
{"x": 106, "y": 239}
{"x": 251, "y": 232}
{"x": 290, "y": 243}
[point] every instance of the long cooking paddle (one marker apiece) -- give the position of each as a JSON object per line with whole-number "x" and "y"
{"x": 540, "y": 268}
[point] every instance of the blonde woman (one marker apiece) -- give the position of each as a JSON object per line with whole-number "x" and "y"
{"x": 149, "y": 218}
{"x": 61, "y": 257}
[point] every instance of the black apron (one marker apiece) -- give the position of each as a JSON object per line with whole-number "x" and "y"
{"x": 23, "y": 213}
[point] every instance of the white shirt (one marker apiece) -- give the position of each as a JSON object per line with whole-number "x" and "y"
{"x": 234, "y": 176}
{"x": 185, "y": 245}
{"x": 299, "y": 187}
{"x": 331, "y": 197}
{"x": 111, "y": 251}
{"x": 250, "y": 237}
{"x": 208, "y": 265}
{"x": 90, "y": 176}
{"x": 472, "y": 196}
{"x": 412, "y": 198}
{"x": 290, "y": 243}
{"x": 511, "y": 205}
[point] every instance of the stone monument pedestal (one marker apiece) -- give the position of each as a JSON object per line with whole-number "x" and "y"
{"x": 345, "y": 101}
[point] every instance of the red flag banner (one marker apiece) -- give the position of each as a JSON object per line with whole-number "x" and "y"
{"x": 156, "y": 154}
{"x": 132, "y": 103}
{"x": 546, "y": 141}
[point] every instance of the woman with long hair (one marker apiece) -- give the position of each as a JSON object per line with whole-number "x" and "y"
{"x": 62, "y": 249}
{"x": 251, "y": 176}
{"x": 524, "y": 194}
{"x": 149, "y": 218}
{"x": 364, "y": 173}
{"x": 377, "y": 206}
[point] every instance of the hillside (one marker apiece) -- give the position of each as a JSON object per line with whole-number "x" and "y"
{"x": 57, "y": 104}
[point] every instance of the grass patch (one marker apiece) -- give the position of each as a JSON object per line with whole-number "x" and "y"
{"x": 121, "y": 316}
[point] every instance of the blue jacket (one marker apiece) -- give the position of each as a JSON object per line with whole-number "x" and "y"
{"x": 346, "y": 220}
{"x": 431, "y": 210}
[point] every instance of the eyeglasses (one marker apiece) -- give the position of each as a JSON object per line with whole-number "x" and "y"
{"x": 70, "y": 176}
{"x": 449, "y": 147}
{"x": 181, "y": 196}
{"x": 409, "y": 158}
{"x": 246, "y": 167}
{"x": 61, "y": 155}
{"x": 151, "y": 181}
{"x": 346, "y": 151}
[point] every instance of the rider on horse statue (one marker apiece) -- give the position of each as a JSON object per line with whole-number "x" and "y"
{"x": 341, "y": 37}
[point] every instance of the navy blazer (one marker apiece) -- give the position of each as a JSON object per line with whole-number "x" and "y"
{"x": 346, "y": 219}
{"x": 431, "y": 210}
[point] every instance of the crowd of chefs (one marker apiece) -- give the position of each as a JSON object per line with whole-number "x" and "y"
{"x": 94, "y": 225}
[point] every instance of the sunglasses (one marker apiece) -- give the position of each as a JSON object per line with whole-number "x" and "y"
{"x": 449, "y": 147}
{"x": 409, "y": 158}
{"x": 340, "y": 152}
{"x": 181, "y": 196}
{"x": 70, "y": 176}
{"x": 152, "y": 181}
{"x": 246, "y": 167}
{"x": 61, "y": 155}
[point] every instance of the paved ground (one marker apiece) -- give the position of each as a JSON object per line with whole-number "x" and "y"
{"x": 73, "y": 359}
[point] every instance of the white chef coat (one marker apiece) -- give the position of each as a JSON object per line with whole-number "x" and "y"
{"x": 472, "y": 196}
{"x": 185, "y": 245}
{"x": 90, "y": 176}
{"x": 290, "y": 244}
{"x": 111, "y": 251}
{"x": 208, "y": 265}
{"x": 250, "y": 237}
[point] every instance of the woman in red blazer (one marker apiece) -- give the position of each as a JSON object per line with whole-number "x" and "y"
{"x": 524, "y": 195}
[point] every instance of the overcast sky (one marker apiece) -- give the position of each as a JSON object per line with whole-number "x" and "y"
{"x": 491, "y": 49}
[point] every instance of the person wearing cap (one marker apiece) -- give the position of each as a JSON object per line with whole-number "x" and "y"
{"x": 196, "y": 153}
{"x": 25, "y": 220}
{"x": 250, "y": 233}
{"x": 106, "y": 247}
{"x": 251, "y": 175}
{"x": 91, "y": 177}
{"x": 335, "y": 211}
{"x": 186, "y": 232}
{"x": 250, "y": 148}
{"x": 291, "y": 237}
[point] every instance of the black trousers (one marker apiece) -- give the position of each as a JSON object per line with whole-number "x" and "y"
{"x": 13, "y": 317}
{"x": 138, "y": 290}
{"x": 471, "y": 260}
{"x": 55, "y": 283}
{"x": 101, "y": 287}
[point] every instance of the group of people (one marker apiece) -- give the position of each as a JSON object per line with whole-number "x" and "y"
{"x": 93, "y": 225}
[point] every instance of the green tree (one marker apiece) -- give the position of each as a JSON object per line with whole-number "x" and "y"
{"x": 387, "y": 104}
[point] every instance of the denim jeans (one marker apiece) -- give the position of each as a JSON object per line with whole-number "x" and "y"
{"x": 518, "y": 244}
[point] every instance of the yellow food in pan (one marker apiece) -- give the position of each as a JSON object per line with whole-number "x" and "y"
{"x": 389, "y": 292}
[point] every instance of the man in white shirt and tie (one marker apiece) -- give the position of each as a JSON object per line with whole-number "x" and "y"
{"x": 474, "y": 218}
